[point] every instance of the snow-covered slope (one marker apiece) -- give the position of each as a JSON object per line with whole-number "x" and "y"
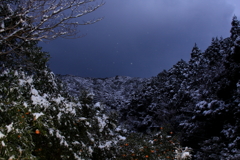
{"x": 112, "y": 91}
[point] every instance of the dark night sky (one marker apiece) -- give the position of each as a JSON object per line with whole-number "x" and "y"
{"x": 140, "y": 38}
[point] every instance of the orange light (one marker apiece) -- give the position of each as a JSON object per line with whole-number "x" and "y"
{"x": 37, "y": 131}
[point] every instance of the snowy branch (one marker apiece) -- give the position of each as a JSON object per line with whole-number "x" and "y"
{"x": 36, "y": 20}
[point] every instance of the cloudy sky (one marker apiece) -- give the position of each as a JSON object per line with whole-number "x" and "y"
{"x": 140, "y": 38}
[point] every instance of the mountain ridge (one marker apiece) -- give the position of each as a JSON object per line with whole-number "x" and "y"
{"x": 111, "y": 91}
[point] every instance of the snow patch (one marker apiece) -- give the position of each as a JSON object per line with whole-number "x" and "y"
{"x": 82, "y": 118}
{"x": 102, "y": 122}
{"x": 106, "y": 145}
{"x": 59, "y": 115}
{"x": 58, "y": 100}
{"x": 121, "y": 138}
{"x": 9, "y": 127}
{"x": 3, "y": 144}
{"x": 37, "y": 115}
{"x": 39, "y": 100}
{"x": 97, "y": 105}
{"x": 1, "y": 135}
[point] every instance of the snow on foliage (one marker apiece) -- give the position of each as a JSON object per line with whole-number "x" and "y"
{"x": 183, "y": 153}
{"x": 9, "y": 127}
{"x": 199, "y": 98}
{"x": 1, "y": 135}
{"x": 102, "y": 122}
{"x": 41, "y": 115}
{"x": 37, "y": 115}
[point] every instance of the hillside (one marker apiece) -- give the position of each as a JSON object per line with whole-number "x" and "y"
{"x": 112, "y": 91}
{"x": 199, "y": 99}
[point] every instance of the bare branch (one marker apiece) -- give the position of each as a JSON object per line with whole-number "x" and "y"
{"x": 36, "y": 20}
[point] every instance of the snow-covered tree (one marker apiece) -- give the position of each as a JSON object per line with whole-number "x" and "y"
{"x": 195, "y": 52}
{"x": 39, "y": 120}
{"x": 235, "y": 28}
{"x": 211, "y": 126}
{"x": 200, "y": 99}
{"x": 36, "y": 20}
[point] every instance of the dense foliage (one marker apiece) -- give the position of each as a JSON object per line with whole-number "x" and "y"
{"x": 199, "y": 98}
{"x": 40, "y": 120}
{"x": 194, "y": 103}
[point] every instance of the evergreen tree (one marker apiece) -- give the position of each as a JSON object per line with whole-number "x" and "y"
{"x": 235, "y": 28}
{"x": 202, "y": 97}
{"x": 209, "y": 126}
{"x": 195, "y": 52}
